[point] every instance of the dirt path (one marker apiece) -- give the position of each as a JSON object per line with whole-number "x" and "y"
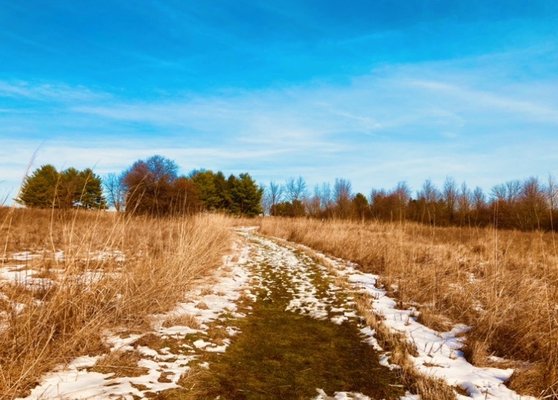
{"x": 273, "y": 324}
{"x": 302, "y": 335}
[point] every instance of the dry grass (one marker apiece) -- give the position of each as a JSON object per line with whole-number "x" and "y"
{"x": 428, "y": 388}
{"x": 57, "y": 322}
{"x": 502, "y": 283}
{"x": 120, "y": 364}
{"x": 182, "y": 320}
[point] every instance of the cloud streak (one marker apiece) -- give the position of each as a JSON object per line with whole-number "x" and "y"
{"x": 397, "y": 123}
{"x": 49, "y": 92}
{"x": 531, "y": 109}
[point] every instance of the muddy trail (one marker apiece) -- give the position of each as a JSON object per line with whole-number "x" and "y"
{"x": 301, "y": 337}
{"x": 273, "y": 323}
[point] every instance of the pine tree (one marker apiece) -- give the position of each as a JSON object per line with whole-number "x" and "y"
{"x": 246, "y": 195}
{"x": 47, "y": 188}
{"x": 69, "y": 189}
{"x": 205, "y": 182}
{"x": 360, "y": 206}
{"x": 91, "y": 194}
{"x": 39, "y": 189}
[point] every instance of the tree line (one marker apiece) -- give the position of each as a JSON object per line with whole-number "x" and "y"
{"x": 526, "y": 205}
{"x": 151, "y": 186}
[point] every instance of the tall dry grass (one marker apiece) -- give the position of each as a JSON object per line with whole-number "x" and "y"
{"x": 91, "y": 292}
{"x": 504, "y": 284}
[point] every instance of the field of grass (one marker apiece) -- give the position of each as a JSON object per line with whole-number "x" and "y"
{"x": 504, "y": 284}
{"x": 69, "y": 276}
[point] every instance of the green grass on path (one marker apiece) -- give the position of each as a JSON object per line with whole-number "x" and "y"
{"x": 284, "y": 355}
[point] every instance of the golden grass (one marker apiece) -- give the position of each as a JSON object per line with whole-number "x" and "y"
{"x": 163, "y": 257}
{"x": 120, "y": 364}
{"x": 428, "y": 388}
{"x": 188, "y": 320}
{"x": 502, "y": 283}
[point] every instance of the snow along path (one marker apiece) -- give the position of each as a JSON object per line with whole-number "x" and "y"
{"x": 439, "y": 353}
{"x": 291, "y": 328}
{"x": 160, "y": 357}
{"x": 268, "y": 280}
{"x": 302, "y": 339}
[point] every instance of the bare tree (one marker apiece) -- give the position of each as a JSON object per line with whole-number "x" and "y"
{"x": 115, "y": 191}
{"x": 428, "y": 196}
{"x": 342, "y": 197}
{"x": 533, "y": 203}
{"x": 552, "y": 193}
{"x": 464, "y": 200}
{"x": 429, "y": 192}
{"x": 508, "y": 192}
{"x": 449, "y": 195}
{"x": 313, "y": 203}
{"x": 326, "y": 198}
{"x": 499, "y": 192}
{"x": 273, "y": 195}
{"x": 148, "y": 185}
{"x": 402, "y": 194}
{"x": 341, "y": 190}
{"x": 295, "y": 189}
{"x": 513, "y": 191}
{"x": 479, "y": 199}
{"x": 552, "y": 198}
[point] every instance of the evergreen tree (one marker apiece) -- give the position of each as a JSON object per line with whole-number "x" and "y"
{"x": 91, "y": 192}
{"x": 360, "y": 206}
{"x": 293, "y": 208}
{"x": 246, "y": 195}
{"x": 70, "y": 188}
{"x": 208, "y": 193}
{"x": 222, "y": 191}
{"x": 39, "y": 189}
{"x": 47, "y": 187}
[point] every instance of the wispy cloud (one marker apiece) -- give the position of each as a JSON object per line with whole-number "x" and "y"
{"x": 52, "y": 92}
{"x": 399, "y": 123}
{"x": 532, "y": 109}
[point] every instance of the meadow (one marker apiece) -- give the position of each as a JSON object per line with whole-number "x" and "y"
{"x": 502, "y": 283}
{"x": 70, "y": 275}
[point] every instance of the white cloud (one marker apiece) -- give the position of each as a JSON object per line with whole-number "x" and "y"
{"x": 49, "y": 92}
{"x": 401, "y": 123}
{"x": 529, "y": 108}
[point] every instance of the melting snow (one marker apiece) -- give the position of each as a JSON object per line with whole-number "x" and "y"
{"x": 439, "y": 353}
{"x": 75, "y": 381}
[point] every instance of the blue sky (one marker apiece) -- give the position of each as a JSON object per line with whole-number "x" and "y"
{"x": 373, "y": 91}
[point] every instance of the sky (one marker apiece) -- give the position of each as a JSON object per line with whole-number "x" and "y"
{"x": 374, "y": 91}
